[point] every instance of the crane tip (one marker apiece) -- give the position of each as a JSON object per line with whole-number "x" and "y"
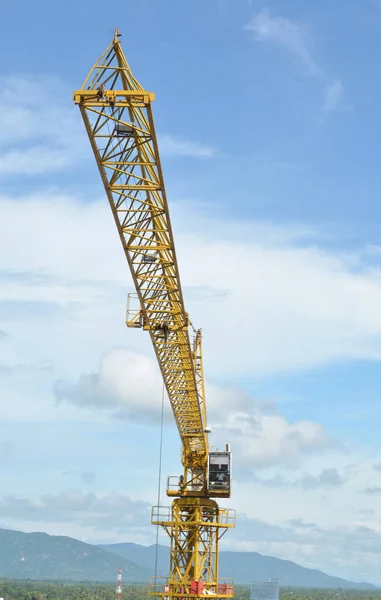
{"x": 117, "y": 35}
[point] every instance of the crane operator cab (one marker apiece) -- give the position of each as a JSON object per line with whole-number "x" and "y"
{"x": 219, "y": 472}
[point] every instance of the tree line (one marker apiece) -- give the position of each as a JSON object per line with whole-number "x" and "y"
{"x": 29, "y": 590}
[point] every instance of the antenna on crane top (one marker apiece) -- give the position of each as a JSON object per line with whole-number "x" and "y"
{"x": 117, "y": 35}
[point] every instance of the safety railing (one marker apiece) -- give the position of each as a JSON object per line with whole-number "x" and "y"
{"x": 173, "y": 483}
{"x": 158, "y": 586}
{"x": 133, "y": 312}
{"x": 161, "y": 514}
{"x": 227, "y": 516}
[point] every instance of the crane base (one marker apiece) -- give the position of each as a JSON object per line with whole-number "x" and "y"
{"x": 194, "y": 526}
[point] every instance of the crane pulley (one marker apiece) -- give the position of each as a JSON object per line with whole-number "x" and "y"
{"x": 117, "y": 113}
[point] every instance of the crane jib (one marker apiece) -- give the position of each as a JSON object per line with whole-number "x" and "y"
{"x": 118, "y": 118}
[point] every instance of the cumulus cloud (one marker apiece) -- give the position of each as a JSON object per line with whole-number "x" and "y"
{"x": 267, "y": 440}
{"x": 128, "y": 383}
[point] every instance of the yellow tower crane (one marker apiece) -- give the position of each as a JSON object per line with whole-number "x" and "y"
{"x": 117, "y": 113}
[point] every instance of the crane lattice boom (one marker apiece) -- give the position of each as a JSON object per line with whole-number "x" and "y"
{"x": 118, "y": 117}
{"x": 120, "y": 125}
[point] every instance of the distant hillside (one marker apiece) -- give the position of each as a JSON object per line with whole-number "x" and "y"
{"x": 144, "y": 556}
{"x": 243, "y": 567}
{"x": 42, "y": 556}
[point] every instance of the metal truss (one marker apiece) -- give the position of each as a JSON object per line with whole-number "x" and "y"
{"x": 118, "y": 117}
{"x": 194, "y": 526}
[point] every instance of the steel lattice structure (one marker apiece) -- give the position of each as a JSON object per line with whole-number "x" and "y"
{"x": 117, "y": 113}
{"x": 195, "y": 527}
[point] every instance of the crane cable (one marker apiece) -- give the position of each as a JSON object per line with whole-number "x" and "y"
{"x": 159, "y": 477}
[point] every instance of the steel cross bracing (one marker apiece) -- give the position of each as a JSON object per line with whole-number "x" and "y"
{"x": 118, "y": 117}
{"x": 195, "y": 526}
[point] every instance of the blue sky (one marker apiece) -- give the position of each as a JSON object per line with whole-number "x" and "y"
{"x": 268, "y": 121}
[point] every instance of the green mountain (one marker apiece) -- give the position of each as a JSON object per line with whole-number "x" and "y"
{"x": 243, "y": 567}
{"x": 42, "y": 556}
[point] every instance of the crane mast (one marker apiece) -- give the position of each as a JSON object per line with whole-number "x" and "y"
{"x": 117, "y": 113}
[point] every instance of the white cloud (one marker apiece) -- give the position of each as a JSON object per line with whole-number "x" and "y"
{"x": 351, "y": 522}
{"x": 46, "y": 365}
{"x": 333, "y": 94}
{"x": 33, "y": 161}
{"x": 338, "y": 550}
{"x": 328, "y": 477}
{"x": 262, "y": 441}
{"x": 289, "y": 34}
{"x": 52, "y": 257}
{"x": 104, "y": 513}
{"x": 307, "y": 306}
{"x": 285, "y": 303}
{"x": 128, "y": 382}
{"x": 295, "y": 38}
{"x": 42, "y": 130}
{"x": 172, "y": 146}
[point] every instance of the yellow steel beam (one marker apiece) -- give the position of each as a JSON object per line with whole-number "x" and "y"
{"x": 118, "y": 117}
